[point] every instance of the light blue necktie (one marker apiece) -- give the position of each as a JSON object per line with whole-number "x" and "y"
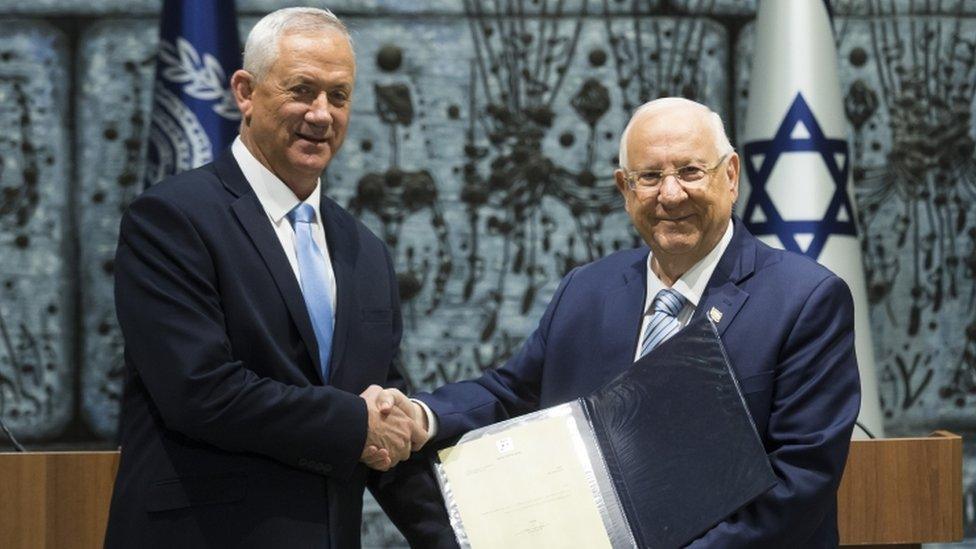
{"x": 314, "y": 281}
{"x": 664, "y": 320}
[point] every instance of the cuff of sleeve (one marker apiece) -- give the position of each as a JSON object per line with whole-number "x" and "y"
{"x": 431, "y": 419}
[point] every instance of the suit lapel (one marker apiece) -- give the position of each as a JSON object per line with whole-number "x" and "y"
{"x": 253, "y": 218}
{"x": 622, "y": 311}
{"x": 723, "y": 298}
{"x": 340, "y": 237}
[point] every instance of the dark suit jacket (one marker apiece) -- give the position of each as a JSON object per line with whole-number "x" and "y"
{"x": 229, "y": 435}
{"x": 788, "y": 326}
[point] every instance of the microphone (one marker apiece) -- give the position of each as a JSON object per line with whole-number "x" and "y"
{"x": 10, "y": 435}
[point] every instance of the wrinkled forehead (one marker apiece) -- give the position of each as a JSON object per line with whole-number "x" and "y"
{"x": 319, "y": 48}
{"x": 677, "y": 130}
{"x": 326, "y": 39}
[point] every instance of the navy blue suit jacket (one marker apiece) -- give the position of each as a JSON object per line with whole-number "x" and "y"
{"x": 230, "y": 437}
{"x": 788, "y": 326}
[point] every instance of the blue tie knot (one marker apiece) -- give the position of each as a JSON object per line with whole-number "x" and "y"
{"x": 669, "y": 302}
{"x": 302, "y": 213}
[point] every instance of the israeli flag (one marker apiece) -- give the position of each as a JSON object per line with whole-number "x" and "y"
{"x": 795, "y": 192}
{"x": 194, "y": 115}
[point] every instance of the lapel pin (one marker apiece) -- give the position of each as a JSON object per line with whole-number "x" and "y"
{"x": 715, "y": 315}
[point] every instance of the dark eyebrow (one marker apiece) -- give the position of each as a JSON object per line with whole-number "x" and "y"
{"x": 296, "y": 79}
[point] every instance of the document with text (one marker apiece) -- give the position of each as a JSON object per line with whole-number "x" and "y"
{"x": 527, "y": 486}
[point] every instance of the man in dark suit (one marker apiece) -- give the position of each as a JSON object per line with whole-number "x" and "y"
{"x": 258, "y": 318}
{"x": 786, "y": 322}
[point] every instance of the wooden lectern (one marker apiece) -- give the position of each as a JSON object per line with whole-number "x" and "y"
{"x": 902, "y": 492}
{"x": 895, "y": 493}
{"x": 55, "y": 499}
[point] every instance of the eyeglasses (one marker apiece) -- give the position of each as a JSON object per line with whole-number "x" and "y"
{"x": 690, "y": 176}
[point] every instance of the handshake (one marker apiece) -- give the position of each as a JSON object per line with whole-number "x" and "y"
{"x": 397, "y": 426}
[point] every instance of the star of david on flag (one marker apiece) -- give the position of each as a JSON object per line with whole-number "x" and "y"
{"x": 796, "y": 161}
{"x": 194, "y": 114}
{"x": 799, "y": 132}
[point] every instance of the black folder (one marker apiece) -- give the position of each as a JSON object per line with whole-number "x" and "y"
{"x": 678, "y": 440}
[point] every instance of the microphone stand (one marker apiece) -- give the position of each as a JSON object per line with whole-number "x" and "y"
{"x": 10, "y": 435}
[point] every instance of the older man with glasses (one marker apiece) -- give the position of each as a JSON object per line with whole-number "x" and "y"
{"x": 787, "y": 324}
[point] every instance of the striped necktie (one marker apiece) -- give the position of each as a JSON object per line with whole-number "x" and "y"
{"x": 664, "y": 319}
{"x": 314, "y": 282}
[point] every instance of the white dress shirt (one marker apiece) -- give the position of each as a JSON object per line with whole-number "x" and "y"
{"x": 277, "y": 200}
{"x": 690, "y": 285}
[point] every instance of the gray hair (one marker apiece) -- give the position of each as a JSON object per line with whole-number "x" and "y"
{"x": 261, "y": 47}
{"x": 714, "y": 123}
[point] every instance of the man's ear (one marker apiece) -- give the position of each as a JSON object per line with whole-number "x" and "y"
{"x": 732, "y": 171}
{"x": 242, "y": 84}
{"x": 620, "y": 178}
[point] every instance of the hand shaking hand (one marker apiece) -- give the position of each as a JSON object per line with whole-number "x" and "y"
{"x": 397, "y": 426}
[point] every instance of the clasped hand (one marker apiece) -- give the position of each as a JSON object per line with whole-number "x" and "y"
{"x": 397, "y": 426}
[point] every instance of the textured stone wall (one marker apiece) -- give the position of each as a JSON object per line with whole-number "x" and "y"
{"x": 481, "y": 149}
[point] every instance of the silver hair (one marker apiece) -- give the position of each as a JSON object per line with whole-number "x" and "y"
{"x": 261, "y": 47}
{"x": 715, "y": 124}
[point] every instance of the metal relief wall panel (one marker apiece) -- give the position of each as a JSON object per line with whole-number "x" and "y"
{"x": 36, "y": 372}
{"x": 742, "y": 70}
{"x": 78, "y": 7}
{"x": 719, "y": 8}
{"x": 904, "y": 7}
{"x": 838, "y": 7}
{"x": 340, "y": 7}
{"x": 116, "y": 64}
{"x": 402, "y": 7}
{"x": 716, "y": 7}
{"x": 656, "y": 57}
{"x": 910, "y": 85}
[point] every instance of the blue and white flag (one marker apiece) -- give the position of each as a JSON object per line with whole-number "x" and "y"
{"x": 194, "y": 114}
{"x": 796, "y": 161}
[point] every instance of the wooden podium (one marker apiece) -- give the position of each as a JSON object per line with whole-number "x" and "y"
{"x": 55, "y": 499}
{"x": 902, "y": 492}
{"x": 895, "y": 492}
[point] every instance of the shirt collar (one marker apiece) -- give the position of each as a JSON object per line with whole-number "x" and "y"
{"x": 690, "y": 285}
{"x": 275, "y": 197}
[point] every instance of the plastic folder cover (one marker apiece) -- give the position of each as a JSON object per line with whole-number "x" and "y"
{"x": 513, "y": 509}
{"x": 678, "y": 440}
{"x": 666, "y": 450}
